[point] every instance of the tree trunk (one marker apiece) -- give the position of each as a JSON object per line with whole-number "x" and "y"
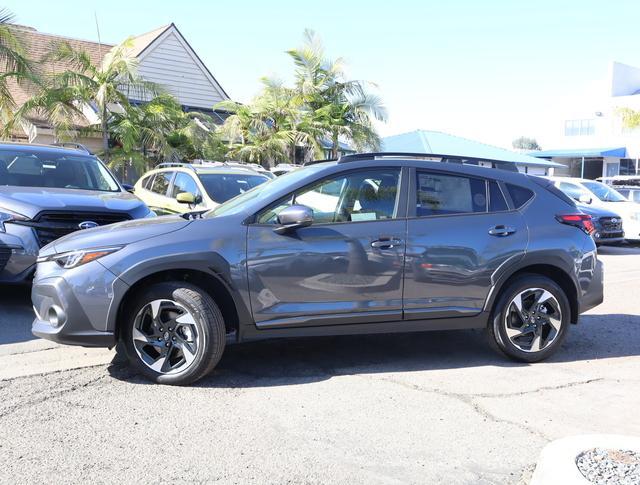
{"x": 105, "y": 134}
{"x": 334, "y": 148}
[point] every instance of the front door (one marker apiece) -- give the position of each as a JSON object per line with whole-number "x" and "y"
{"x": 462, "y": 232}
{"x": 345, "y": 268}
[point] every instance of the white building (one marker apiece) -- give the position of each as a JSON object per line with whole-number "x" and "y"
{"x": 591, "y": 139}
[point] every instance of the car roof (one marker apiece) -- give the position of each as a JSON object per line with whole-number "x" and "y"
{"x": 34, "y": 147}
{"x": 200, "y": 170}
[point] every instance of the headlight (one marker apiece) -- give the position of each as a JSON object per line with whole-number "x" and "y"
{"x": 73, "y": 259}
{"x": 8, "y": 216}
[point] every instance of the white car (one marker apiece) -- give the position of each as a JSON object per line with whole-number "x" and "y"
{"x": 601, "y": 195}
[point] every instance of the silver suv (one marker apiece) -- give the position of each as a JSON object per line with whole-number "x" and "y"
{"x": 365, "y": 244}
{"x": 47, "y": 192}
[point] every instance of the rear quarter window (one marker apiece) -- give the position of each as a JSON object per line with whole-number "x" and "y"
{"x": 519, "y": 195}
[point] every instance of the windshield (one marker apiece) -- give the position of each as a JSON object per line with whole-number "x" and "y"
{"x": 604, "y": 192}
{"x": 224, "y": 186}
{"x": 263, "y": 191}
{"x": 52, "y": 170}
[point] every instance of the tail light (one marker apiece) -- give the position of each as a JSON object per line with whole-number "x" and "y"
{"x": 581, "y": 221}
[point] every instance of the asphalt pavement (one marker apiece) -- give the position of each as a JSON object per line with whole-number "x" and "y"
{"x": 435, "y": 407}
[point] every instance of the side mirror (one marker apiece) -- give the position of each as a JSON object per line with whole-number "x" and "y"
{"x": 585, "y": 199}
{"x": 187, "y": 198}
{"x": 128, "y": 187}
{"x": 294, "y": 217}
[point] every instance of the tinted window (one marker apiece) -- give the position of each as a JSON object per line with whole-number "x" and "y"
{"x": 161, "y": 182}
{"x": 367, "y": 195}
{"x": 519, "y": 195}
{"x": 184, "y": 183}
{"x": 51, "y": 169}
{"x": 224, "y": 186}
{"x": 497, "y": 201}
{"x": 449, "y": 194}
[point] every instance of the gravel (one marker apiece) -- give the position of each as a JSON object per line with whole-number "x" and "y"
{"x": 609, "y": 467}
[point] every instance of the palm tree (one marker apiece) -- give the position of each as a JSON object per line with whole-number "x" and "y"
{"x": 14, "y": 67}
{"x": 343, "y": 108}
{"x": 105, "y": 88}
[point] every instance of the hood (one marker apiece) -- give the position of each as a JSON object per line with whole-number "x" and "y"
{"x": 122, "y": 233}
{"x": 595, "y": 211}
{"x": 624, "y": 209}
{"x": 29, "y": 201}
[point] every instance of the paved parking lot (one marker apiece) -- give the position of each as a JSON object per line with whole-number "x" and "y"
{"x": 413, "y": 408}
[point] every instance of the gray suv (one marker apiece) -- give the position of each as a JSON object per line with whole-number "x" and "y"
{"x": 365, "y": 244}
{"x": 47, "y": 192}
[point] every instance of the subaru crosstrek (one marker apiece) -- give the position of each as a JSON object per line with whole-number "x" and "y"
{"x": 47, "y": 192}
{"x": 365, "y": 244}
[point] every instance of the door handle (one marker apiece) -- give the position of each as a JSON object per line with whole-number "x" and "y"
{"x": 501, "y": 230}
{"x": 386, "y": 243}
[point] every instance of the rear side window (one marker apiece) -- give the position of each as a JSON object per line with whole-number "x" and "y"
{"x": 440, "y": 194}
{"x": 161, "y": 182}
{"x": 519, "y": 195}
{"x": 497, "y": 201}
{"x": 146, "y": 182}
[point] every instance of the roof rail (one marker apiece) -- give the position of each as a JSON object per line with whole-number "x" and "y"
{"x": 175, "y": 164}
{"x": 502, "y": 164}
{"x": 71, "y": 144}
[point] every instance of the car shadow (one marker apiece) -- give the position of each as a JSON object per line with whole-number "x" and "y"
{"x": 16, "y": 314}
{"x": 284, "y": 362}
{"x": 619, "y": 250}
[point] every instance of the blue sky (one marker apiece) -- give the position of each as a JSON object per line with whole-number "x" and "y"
{"x": 489, "y": 70}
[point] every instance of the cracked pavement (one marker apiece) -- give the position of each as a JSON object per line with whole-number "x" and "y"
{"x": 413, "y": 408}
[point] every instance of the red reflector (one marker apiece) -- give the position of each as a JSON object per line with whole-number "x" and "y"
{"x": 582, "y": 221}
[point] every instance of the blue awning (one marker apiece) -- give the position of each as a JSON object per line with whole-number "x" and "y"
{"x": 423, "y": 141}
{"x": 620, "y": 152}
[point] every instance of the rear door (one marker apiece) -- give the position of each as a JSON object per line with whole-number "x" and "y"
{"x": 156, "y": 196}
{"x": 461, "y": 231}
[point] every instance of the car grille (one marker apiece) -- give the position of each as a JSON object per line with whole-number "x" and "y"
{"x": 50, "y": 226}
{"x": 5, "y": 254}
{"x": 610, "y": 226}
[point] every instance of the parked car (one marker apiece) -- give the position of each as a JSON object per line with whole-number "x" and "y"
{"x": 182, "y": 187}
{"x": 592, "y": 192}
{"x": 608, "y": 225}
{"x": 495, "y": 249}
{"x": 47, "y": 192}
{"x": 283, "y": 168}
{"x": 630, "y": 193}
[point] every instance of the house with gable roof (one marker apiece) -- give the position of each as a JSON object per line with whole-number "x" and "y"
{"x": 165, "y": 57}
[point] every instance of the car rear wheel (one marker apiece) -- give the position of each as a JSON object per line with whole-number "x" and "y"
{"x": 173, "y": 333}
{"x": 530, "y": 319}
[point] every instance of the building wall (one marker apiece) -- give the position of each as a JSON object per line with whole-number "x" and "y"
{"x": 170, "y": 63}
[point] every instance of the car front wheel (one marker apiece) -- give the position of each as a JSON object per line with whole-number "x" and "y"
{"x": 173, "y": 333}
{"x": 530, "y": 319}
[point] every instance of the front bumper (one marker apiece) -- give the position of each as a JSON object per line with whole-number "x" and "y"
{"x": 18, "y": 252}
{"x": 73, "y": 309}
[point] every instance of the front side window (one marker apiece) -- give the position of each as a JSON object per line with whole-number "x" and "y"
{"x": 54, "y": 170}
{"x": 572, "y": 190}
{"x": 441, "y": 194}
{"x": 184, "y": 183}
{"x": 161, "y": 182}
{"x": 366, "y": 195}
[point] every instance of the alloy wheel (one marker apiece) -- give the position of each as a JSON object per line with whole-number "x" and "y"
{"x": 166, "y": 336}
{"x": 533, "y": 319}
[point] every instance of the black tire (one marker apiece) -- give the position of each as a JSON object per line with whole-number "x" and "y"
{"x": 209, "y": 321}
{"x": 496, "y": 327}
